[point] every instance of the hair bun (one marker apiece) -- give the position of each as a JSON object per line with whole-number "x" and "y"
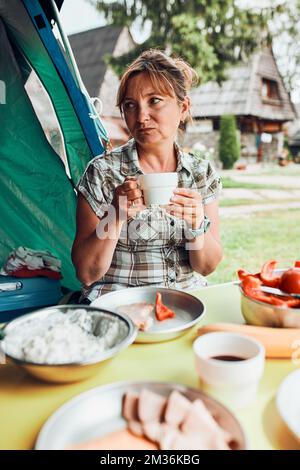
{"x": 191, "y": 77}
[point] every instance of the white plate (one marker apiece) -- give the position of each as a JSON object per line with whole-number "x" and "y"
{"x": 98, "y": 412}
{"x": 188, "y": 309}
{"x": 288, "y": 402}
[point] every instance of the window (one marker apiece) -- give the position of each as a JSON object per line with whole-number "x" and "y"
{"x": 46, "y": 115}
{"x": 269, "y": 90}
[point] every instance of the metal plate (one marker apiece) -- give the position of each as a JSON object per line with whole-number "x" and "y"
{"x": 188, "y": 309}
{"x": 97, "y": 412}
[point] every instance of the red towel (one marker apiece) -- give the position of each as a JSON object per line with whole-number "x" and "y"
{"x": 25, "y": 272}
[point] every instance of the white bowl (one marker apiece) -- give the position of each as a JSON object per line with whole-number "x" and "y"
{"x": 234, "y": 383}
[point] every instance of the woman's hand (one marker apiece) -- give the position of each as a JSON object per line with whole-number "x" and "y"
{"x": 187, "y": 204}
{"x": 128, "y": 199}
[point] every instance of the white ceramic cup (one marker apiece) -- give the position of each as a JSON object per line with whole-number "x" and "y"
{"x": 158, "y": 187}
{"x": 234, "y": 383}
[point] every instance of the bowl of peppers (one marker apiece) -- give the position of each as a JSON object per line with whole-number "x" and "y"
{"x": 268, "y": 309}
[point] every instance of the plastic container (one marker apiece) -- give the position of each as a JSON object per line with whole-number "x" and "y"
{"x": 23, "y": 295}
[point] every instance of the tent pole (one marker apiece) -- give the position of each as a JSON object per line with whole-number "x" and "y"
{"x": 68, "y": 49}
{"x": 75, "y": 69}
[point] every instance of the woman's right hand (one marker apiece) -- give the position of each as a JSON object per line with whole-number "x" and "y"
{"x": 128, "y": 199}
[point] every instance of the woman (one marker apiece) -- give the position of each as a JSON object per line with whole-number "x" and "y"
{"x": 119, "y": 243}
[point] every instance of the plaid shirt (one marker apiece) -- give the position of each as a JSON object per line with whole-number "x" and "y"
{"x": 151, "y": 249}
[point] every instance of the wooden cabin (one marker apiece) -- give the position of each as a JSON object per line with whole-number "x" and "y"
{"x": 255, "y": 93}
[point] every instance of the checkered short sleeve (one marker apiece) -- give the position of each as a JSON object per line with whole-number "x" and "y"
{"x": 207, "y": 180}
{"x": 213, "y": 185}
{"x": 93, "y": 186}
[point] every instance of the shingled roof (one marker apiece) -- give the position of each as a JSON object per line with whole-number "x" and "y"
{"x": 241, "y": 95}
{"x": 89, "y": 47}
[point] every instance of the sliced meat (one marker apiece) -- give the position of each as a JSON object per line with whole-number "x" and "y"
{"x": 200, "y": 421}
{"x": 139, "y": 313}
{"x": 119, "y": 440}
{"x": 168, "y": 436}
{"x": 136, "y": 428}
{"x": 130, "y": 406}
{"x": 152, "y": 430}
{"x": 156, "y": 431}
{"x": 197, "y": 441}
{"x": 151, "y": 406}
{"x": 177, "y": 408}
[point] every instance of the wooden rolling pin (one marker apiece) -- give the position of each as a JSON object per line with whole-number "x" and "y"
{"x": 278, "y": 342}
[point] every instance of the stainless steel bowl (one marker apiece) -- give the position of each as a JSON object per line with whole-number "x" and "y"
{"x": 68, "y": 372}
{"x": 189, "y": 310}
{"x": 260, "y": 313}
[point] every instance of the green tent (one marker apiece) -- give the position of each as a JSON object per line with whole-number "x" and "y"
{"x": 37, "y": 196}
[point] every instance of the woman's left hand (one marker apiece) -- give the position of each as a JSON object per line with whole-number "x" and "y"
{"x": 187, "y": 204}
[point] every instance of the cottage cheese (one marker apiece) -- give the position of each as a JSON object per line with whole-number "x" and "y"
{"x": 61, "y": 338}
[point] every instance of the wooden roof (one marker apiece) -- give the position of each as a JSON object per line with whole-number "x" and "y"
{"x": 89, "y": 48}
{"x": 241, "y": 94}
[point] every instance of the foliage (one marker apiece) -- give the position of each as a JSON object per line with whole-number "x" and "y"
{"x": 285, "y": 28}
{"x": 229, "y": 148}
{"x": 210, "y": 34}
{"x": 200, "y": 152}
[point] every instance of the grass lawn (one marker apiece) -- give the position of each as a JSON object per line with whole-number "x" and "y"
{"x": 250, "y": 241}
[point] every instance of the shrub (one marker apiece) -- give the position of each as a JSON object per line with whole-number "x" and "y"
{"x": 229, "y": 146}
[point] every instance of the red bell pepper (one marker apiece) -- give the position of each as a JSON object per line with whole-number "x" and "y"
{"x": 293, "y": 303}
{"x": 267, "y": 274}
{"x": 161, "y": 311}
{"x": 242, "y": 273}
{"x": 297, "y": 264}
{"x": 251, "y": 287}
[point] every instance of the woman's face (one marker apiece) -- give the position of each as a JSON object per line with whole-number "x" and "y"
{"x": 151, "y": 117}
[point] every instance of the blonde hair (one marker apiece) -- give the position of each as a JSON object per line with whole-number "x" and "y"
{"x": 169, "y": 76}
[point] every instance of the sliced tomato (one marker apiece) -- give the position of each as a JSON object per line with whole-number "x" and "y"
{"x": 267, "y": 274}
{"x": 161, "y": 311}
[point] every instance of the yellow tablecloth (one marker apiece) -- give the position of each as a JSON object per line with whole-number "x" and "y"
{"x": 25, "y": 403}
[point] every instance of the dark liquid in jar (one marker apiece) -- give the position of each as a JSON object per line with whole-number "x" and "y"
{"x": 229, "y": 358}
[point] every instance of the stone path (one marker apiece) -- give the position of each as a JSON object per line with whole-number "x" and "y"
{"x": 246, "y": 210}
{"x": 274, "y": 199}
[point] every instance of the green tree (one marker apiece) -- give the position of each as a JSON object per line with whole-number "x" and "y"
{"x": 210, "y": 34}
{"x": 229, "y": 147}
{"x": 285, "y": 28}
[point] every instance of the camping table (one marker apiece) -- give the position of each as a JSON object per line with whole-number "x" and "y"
{"x": 25, "y": 403}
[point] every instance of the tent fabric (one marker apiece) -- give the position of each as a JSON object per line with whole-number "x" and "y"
{"x": 37, "y": 201}
{"x": 26, "y": 42}
{"x": 92, "y": 128}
